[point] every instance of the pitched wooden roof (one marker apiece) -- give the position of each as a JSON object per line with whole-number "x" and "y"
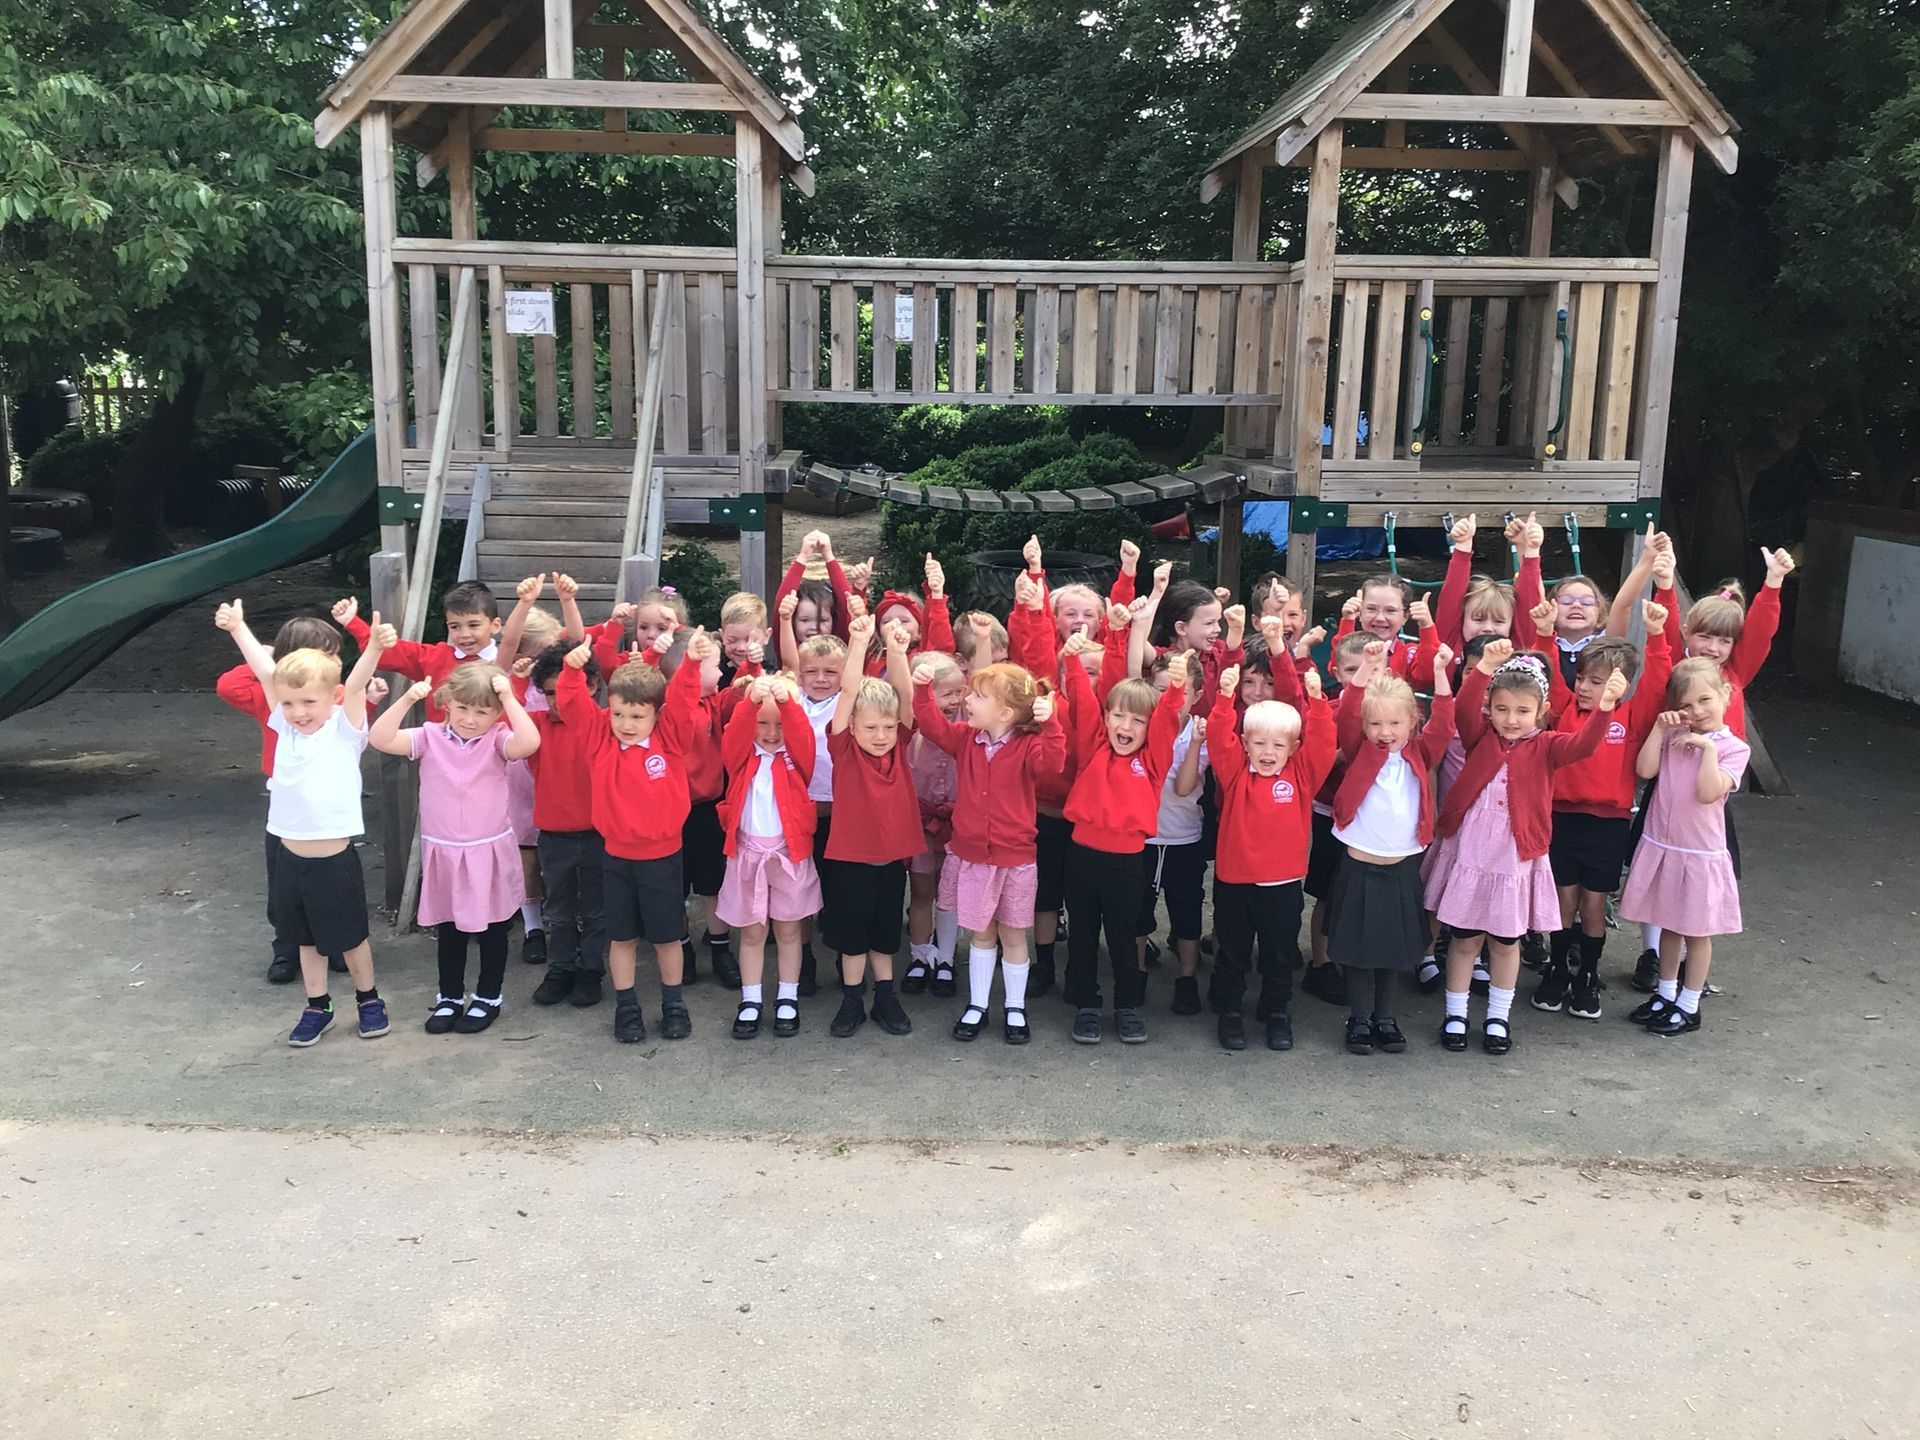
{"x": 506, "y": 38}
{"x": 1581, "y": 48}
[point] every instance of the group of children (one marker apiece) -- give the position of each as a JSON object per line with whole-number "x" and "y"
{"x": 1081, "y": 760}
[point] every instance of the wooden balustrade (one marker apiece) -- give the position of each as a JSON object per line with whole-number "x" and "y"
{"x": 984, "y": 332}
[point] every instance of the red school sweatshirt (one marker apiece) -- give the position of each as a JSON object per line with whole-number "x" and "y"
{"x": 1115, "y": 800}
{"x": 1266, "y": 822}
{"x": 993, "y": 806}
{"x": 1604, "y": 782}
{"x": 241, "y": 689}
{"x": 878, "y": 789}
{"x": 792, "y": 771}
{"x": 640, "y": 799}
{"x": 563, "y": 766}
{"x": 1749, "y": 651}
{"x": 1529, "y": 761}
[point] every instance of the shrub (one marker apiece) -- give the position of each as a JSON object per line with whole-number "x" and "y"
{"x": 75, "y": 460}
{"x": 317, "y": 417}
{"x": 702, "y": 579}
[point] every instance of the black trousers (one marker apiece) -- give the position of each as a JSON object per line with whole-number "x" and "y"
{"x": 1103, "y": 896}
{"x": 573, "y": 874}
{"x": 1243, "y": 914}
{"x": 493, "y": 960}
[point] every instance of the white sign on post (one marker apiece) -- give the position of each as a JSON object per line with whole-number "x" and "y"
{"x": 529, "y": 312}
{"x": 903, "y": 317}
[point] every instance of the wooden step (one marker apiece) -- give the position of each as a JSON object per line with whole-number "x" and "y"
{"x": 507, "y": 571}
{"x": 539, "y": 529}
{"x": 603, "y": 485}
{"x": 557, "y": 506}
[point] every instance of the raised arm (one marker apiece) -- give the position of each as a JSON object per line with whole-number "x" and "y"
{"x": 1186, "y": 777}
{"x": 1031, "y": 641}
{"x": 1114, "y": 649}
{"x": 1224, "y": 752}
{"x": 789, "y": 643}
{"x": 523, "y": 735}
{"x": 1470, "y": 709}
{"x": 380, "y": 638}
{"x": 1163, "y": 728}
{"x": 1449, "y": 611}
{"x": 525, "y": 596}
{"x": 1634, "y": 586}
{"x": 1318, "y": 744}
{"x": 939, "y": 634}
{"x": 385, "y": 734}
{"x": 1084, "y": 730}
{"x": 1145, "y": 609}
{"x": 573, "y": 625}
{"x": 854, "y": 673}
{"x": 232, "y": 618}
{"x": 1126, "y": 585}
{"x": 1763, "y": 621}
{"x": 899, "y": 673}
{"x": 796, "y": 731}
{"x": 927, "y": 718}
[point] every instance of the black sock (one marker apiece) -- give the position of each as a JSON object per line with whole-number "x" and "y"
{"x": 626, "y": 999}
{"x": 882, "y": 987}
{"x": 856, "y": 986}
{"x": 1560, "y": 946}
{"x": 319, "y": 1002}
{"x": 1590, "y": 948}
{"x": 806, "y": 952}
{"x": 1043, "y": 952}
{"x": 361, "y": 997}
{"x": 669, "y": 996}
{"x": 719, "y": 942}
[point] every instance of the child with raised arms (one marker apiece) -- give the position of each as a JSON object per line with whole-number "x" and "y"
{"x": 470, "y": 879}
{"x": 1682, "y": 878}
{"x": 932, "y": 931}
{"x": 571, "y": 853}
{"x": 639, "y": 767}
{"x": 863, "y": 874}
{"x": 317, "y": 893}
{"x": 769, "y": 818}
{"x": 1383, "y": 816}
{"x": 472, "y": 616}
{"x": 1488, "y": 880}
{"x": 817, "y": 662}
{"x": 1175, "y": 858}
{"x": 1267, "y": 767}
{"x": 1122, "y": 740}
{"x": 1009, "y": 739}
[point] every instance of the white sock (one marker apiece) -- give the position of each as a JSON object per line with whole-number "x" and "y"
{"x": 1650, "y": 937}
{"x": 750, "y": 994}
{"x": 1457, "y": 1004}
{"x": 1499, "y": 1003}
{"x": 980, "y": 962}
{"x": 1015, "y": 977}
{"x": 1689, "y": 1002}
{"x": 1669, "y": 990}
{"x": 923, "y": 954}
{"x": 530, "y": 916}
{"x": 946, "y": 935}
{"x": 789, "y": 990}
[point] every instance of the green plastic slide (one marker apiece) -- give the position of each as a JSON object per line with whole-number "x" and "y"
{"x": 61, "y": 643}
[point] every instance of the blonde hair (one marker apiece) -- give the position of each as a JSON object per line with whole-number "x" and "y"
{"x": 1695, "y": 670}
{"x": 996, "y": 632}
{"x": 540, "y": 630}
{"x": 1271, "y": 583}
{"x": 637, "y": 683}
{"x": 298, "y": 669}
{"x": 1351, "y": 645}
{"x": 822, "y": 647}
{"x": 1274, "y": 719}
{"x": 943, "y": 665}
{"x": 668, "y": 600}
{"x": 1135, "y": 696}
{"x": 1715, "y": 615}
{"x": 1012, "y": 686}
{"x": 1487, "y": 599}
{"x": 1385, "y": 690}
{"x": 877, "y": 695}
{"x": 1053, "y": 601}
{"x": 471, "y": 683}
{"x": 743, "y": 606}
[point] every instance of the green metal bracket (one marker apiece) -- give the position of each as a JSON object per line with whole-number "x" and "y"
{"x": 748, "y": 512}
{"x": 398, "y": 506}
{"x": 1635, "y": 515}
{"x": 1310, "y": 514}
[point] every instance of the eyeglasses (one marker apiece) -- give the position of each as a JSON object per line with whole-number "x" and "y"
{"x": 1578, "y": 602}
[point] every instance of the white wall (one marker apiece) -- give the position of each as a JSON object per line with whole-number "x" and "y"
{"x": 1880, "y": 638}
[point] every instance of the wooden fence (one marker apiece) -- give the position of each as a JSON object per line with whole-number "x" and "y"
{"x": 112, "y": 400}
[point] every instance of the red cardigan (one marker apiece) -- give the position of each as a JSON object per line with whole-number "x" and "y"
{"x": 791, "y": 776}
{"x": 836, "y": 579}
{"x": 1749, "y": 651}
{"x": 1363, "y": 761}
{"x": 993, "y": 806}
{"x": 1530, "y": 763}
{"x": 1115, "y": 801}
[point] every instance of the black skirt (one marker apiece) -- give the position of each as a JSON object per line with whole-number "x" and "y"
{"x": 1376, "y": 915}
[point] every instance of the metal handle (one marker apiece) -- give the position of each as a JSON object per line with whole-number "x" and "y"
{"x": 1420, "y": 431}
{"x": 1566, "y": 383}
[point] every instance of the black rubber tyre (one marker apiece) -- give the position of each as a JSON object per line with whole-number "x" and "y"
{"x": 994, "y": 571}
{"x": 35, "y": 547}
{"x": 67, "y": 511}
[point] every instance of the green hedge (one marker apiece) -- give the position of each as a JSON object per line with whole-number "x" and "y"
{"x": 75, "y": 460}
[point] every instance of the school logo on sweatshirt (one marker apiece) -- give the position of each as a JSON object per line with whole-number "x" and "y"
{"x": 1138, "y": 768}
{"x": 1283, "y": 792}
{"x": 656, "y": 766}
{"x": 1616, "y": 733}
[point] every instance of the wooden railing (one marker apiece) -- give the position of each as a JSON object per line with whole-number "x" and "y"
{"x": 902, "y": 331}
{"x": 112, "y": 400}
{"x": 1462, "y": 358}
{"x": 586, "y": 376}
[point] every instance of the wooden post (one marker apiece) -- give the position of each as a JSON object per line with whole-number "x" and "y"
{"x": 1243, "y": 424}
{"x": 1314, "y": 339}
{"x": 383, "y": 307}
{"x": 1517, "y": 50}
{"x": 389, "y": 570}
{"x": 559, "y": 33}
{"x": 1663, "y": 327}
{"x": 775, "y": 434}
{"x": 434, "y": 500}
{"x": 1527, "y": 379}
{"x": 750, "y": 266}
{"x": 464, "y": 215}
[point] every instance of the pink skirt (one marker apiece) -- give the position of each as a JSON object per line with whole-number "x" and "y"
{"x": 1477, "y": 884}
{"x": 470, "y": 885}
{"x": 1690, "y": 892}
{"x": 984, "y": 895}
{"x": 520, "y": 804}
{"x": 763, "y": 884}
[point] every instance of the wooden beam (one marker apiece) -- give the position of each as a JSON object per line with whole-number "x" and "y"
{"x": 607, "y": 142}
{"x": 750, "y": 221}
{"x": 689, "y": 38}
{"x": 1397, "y": 77}
{"x": 1532, "y": 144}
{"x": 1563, "y": 76}
{"x": 1360, "y": 72}
{"x": 1246, "y": 208}
{"x": 1513, "y": 110}
{"x": 1516, "y": 47}
{"x": 558, "y": 31}
{"x": 353, "y": 91}
{"x": 771, "y": 241}
{"x": 1669, "y": 74}
{"x": 383, "y": 304}
{"x": 1314, "y": 336}
{"x": 1655, "y": 387}
{"x": 595, "y": 36}
{"x": 1243, "y": 427}
{"x": 613, "y": 66}
{"x": 1363, "y": 157}
{"x": 457, "y": 62}
{"x": 575, "y": 94}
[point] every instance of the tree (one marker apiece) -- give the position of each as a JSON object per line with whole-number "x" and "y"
{"x": 161, "y": 195}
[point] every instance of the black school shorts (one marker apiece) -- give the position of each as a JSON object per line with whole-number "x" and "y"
{"x": 1323, "y": 861}
{"x": 863, "y": 906}
{"x": 645, "y": 900}
{"x": 319, "y": 900}
{"x": 1589, "y": 850}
